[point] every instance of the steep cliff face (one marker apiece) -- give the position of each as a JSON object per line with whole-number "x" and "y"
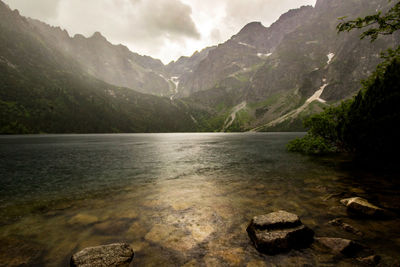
{"x": 187, "y": 64}
{"x": 314, "y": 55}
{"x": 298, "y": 55}
{"x": 114, "y": 64}
{"x": 242, "y": 53}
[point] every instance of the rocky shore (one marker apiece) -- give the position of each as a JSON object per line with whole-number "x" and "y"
{"x": 281, "y": 231}
{"x": 271, "y": 234}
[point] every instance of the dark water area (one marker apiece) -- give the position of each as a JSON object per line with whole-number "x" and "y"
{"x": 179, "y": 199}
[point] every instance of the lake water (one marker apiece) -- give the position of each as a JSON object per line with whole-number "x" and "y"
{"x": 178, "y": 198}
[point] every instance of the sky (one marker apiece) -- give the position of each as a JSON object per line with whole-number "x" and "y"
{"x": 163, "y": 29}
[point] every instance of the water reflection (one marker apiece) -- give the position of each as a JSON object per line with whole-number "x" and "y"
{"x": 176, "y": 198}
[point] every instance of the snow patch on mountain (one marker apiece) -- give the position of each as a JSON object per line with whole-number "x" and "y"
{"x": 330, "y": 57}
{"x": 231, "y": 118}
{"x": 264, "y": 56}
{"x": 175, "y": 80}
{"x": 294, "y": 113}
{"x": 248, "y": 45}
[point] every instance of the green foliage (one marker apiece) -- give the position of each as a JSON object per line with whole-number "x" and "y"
{"x": 310, "y": 145}
{"x": 373, "y": 115}
{"x": 378, "y": 24}
{"x": 327, "y": 124}
{"x": 243, "y": 117}
{"x": 324, "y": 134}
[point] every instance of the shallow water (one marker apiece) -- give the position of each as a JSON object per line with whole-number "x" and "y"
{"x": 178, "y": 198}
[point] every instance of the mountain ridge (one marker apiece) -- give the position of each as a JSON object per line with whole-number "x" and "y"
{"x": 275, "y": 71}
{"x": 115, "y": 64}
{"x": 42, "y": 90}
{"x": 309, "y": 56}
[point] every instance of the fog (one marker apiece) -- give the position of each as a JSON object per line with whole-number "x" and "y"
{"x": 164, "y": 29}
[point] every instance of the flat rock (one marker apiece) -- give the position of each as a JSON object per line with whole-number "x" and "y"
{"x": 278, "y": 232}
{"x": 340, "y": 245}
{"x": 361, "y": 206}
{"x": 276, "y": 220}
{"x": 119, "y": 254}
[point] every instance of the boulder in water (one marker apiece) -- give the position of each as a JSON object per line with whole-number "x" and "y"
{"x": 279, "y": 232}
{"x": 119, "y": 254}
{"x": 362, "y": 207}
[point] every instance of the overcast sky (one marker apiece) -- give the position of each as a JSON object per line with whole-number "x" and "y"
{"x": 164, "y": 29}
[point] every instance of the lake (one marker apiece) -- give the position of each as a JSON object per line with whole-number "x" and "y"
{"x": 178, "y": 198}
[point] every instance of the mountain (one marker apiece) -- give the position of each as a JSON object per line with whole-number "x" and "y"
{"x": 267, "y": 79}
{"x": 187, "y": 64}
{"x": 114, "y": 64}
{"x": 261, "y": 79}
{"x": 43, "y": 89}
{"x": 243, "y": 51}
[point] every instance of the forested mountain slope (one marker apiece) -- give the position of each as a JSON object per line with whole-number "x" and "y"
{"x": 261, "y": 79}
{"x": 44, "y": 90}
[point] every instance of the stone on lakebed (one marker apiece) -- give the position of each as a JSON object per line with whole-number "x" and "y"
{"x": 345, "y": 226}
{"x": 370, "y": 260}
{"x": 118, "y": 254}
{"x": 340, "y": 245}
{"x": 279, "y": 232}
{"x": 362, "y": 207}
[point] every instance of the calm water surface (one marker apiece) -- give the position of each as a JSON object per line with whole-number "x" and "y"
{"x": 177, "y": 198}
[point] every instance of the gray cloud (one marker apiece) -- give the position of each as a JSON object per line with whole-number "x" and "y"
{"x": 44, "y": 9}
{"x": 170, "y": 17}
{"x": 215, "y": 35}
{"x": 164, "y": 29}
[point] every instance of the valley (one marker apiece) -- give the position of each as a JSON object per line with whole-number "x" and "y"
{"x": 278, "y": 71}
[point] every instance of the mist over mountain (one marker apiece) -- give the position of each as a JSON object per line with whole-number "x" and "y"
{"x": 44, "y": 90}
{"x": 296, "y": 67}
{"x": 114, "y": 64}
{"x": 261, "y": 79}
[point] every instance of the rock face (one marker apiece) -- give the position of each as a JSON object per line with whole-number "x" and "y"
{"x": 362, "y": 207}
{"x": 118, "y": 254}
{"x": 278, "y": 232}
{"x": 340, "y": 245}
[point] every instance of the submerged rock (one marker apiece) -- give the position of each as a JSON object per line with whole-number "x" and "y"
{"x": 278, "y": 232}
{"x": 171, "y": 237}
{"x": 340, "y": 245}
{"x": 119, "y": 254}
{"x": 362, "y": 207}
{"x": 15, "y": 252}
{"x": 83, "y": 219}
{"x": 370, "y": 260}
{"x": 345, "y": 226}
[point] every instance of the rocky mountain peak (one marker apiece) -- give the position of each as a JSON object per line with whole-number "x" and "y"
{"x": 98, "y": 36}
{"x": 252, "y": 27}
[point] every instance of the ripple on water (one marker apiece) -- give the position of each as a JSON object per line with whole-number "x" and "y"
{"x": 177, "y": 199}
